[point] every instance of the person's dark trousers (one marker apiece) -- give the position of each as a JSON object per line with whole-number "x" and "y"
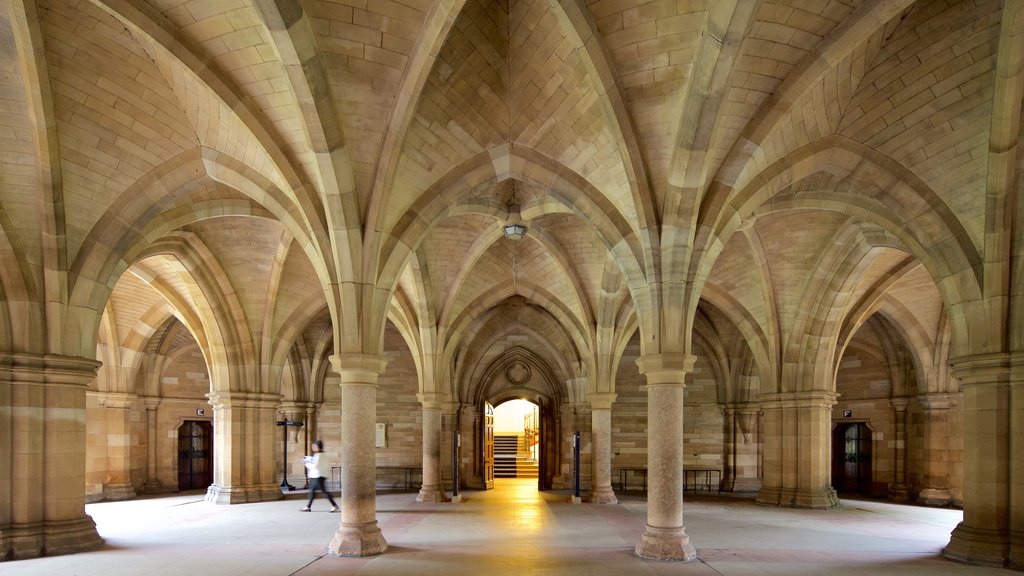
{"x": 318, "y": 484}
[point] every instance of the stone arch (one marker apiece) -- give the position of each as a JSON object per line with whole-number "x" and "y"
{"x": 567, "y": 192}
{"x": 16, "y": 288}
{"x": 921, "y": 221}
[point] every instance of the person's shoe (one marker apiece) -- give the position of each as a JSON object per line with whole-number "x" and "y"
{"x": 334, "y": 508}
{"x": 306, "y": 509}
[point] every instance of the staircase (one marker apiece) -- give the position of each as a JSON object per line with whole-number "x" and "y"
{"x": 512, "y": 459}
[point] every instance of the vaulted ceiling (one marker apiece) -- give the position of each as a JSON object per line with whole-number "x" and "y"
{"x": 225, "y": 162}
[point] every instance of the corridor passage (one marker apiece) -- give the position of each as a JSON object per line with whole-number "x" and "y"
{"x": 511, "y": 530}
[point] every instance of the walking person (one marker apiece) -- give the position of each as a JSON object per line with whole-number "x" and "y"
{"x": 315, "y": 465}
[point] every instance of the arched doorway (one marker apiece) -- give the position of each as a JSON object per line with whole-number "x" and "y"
{"x": 526, "y": 449}
{"x": 851, "y": 458}
{"x": 517, "y": 440}
{"x": 195, "y": 455}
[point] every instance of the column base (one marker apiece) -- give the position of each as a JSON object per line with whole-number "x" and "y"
{"x": 362, "y": 540}
{"x": 670, "y": 544}
{"x": 816, "y": 499}
{"x": 217, "y": 494}
{"x": 431, "y": 494}
{"x": 934, "y": 497}
{"x": 898, "y": 493}
{"x": 1016, "y": 560}
{"x": 21, "y": 542}
{"x": 602, "y": 495}
{"x": 152, "y": 486}
{"x": 746, "y": 485}
{"x": 118, "y": 491}
{"x": 980, "y": 546}
{"x": 769, "y": 497}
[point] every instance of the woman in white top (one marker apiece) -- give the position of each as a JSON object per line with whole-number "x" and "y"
{"x": 314, "y": 465}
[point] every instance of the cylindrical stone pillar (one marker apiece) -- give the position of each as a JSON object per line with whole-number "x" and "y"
{"x": 430, "y": 491}
{"x": 601, "y": 444}
{"x": 358, "y": 533}
{"x": 665, "y": 536}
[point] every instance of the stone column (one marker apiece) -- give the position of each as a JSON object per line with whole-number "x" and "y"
{"x": 117, "y": 412}
{"x": 983, "y": 537}
{"x": 293, "y": 466}
{"x": 665, "y": 536}
{"x": 898, "y": 490}
{"x": 358, "y": 534}
{"x": 471, "y": 449}
{"x": 310, "y": 432}
{"x": 449, "y": 424}
{"x": 431, "y": 489}
{"x": 746, "y": 474}
{"x": 576, "y": 417}
{"x": 1016, "y": 560}
{"x": 601, "y": 445}
{"x": 244, "y": 442}
{"x": 798, "y": 448}
{"x": 43, "y": 508}
{"x": 152, "y": 485}
{"x": 935, "y": 461}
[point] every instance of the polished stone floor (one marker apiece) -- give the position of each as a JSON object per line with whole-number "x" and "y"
{"x": 512, "y": 529}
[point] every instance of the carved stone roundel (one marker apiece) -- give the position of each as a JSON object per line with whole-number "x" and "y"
{"x": 517, "y": 373}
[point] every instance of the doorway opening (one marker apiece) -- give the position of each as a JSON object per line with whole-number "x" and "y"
{"x": 195, "y": 455}
{"x": 851, "y": 458}
{"x": 517, "y": 440}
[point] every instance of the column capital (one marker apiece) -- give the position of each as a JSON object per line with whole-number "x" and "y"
{"x": 806, "y": 399}
{"x": 899, "y": 403}
{"x": 741, "y": 408}
{"x": 982, "y": 369}
{"x": 430, "y": 400}
{"x": 666, "y": 369}
{"x": 114, "y": 399}
{"x": 602, "y": 400}
{"x": 243, "y": 399}
{"x": 361, "y": 369}
{"x": 51, "y": 369}
{"x": 933, "y": 402}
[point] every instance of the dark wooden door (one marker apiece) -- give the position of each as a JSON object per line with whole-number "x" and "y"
{"x": 195, "y": 455}
{"x": 851, "y": 458}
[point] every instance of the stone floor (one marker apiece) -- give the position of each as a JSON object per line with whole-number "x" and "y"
{"x": 512, "y": 529}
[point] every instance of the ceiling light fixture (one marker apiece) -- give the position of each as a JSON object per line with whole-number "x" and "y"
{"x": 514, "y": 229}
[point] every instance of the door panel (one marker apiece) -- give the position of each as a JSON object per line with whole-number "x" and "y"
{"x": 195, "y": 455}
{"x": 488, "y": 446}
{"x": 851, "y": 458}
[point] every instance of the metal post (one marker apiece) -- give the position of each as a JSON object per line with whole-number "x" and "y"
{"x": 455, "y": 463}
{"x": 284, "y": 424}
{"x": 576, "y": 463}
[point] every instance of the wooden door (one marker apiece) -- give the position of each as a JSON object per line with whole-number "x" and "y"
{"x": 488, "y": 446}
{"x": 195, "y": 455}
{"x": 851, "y": 459}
